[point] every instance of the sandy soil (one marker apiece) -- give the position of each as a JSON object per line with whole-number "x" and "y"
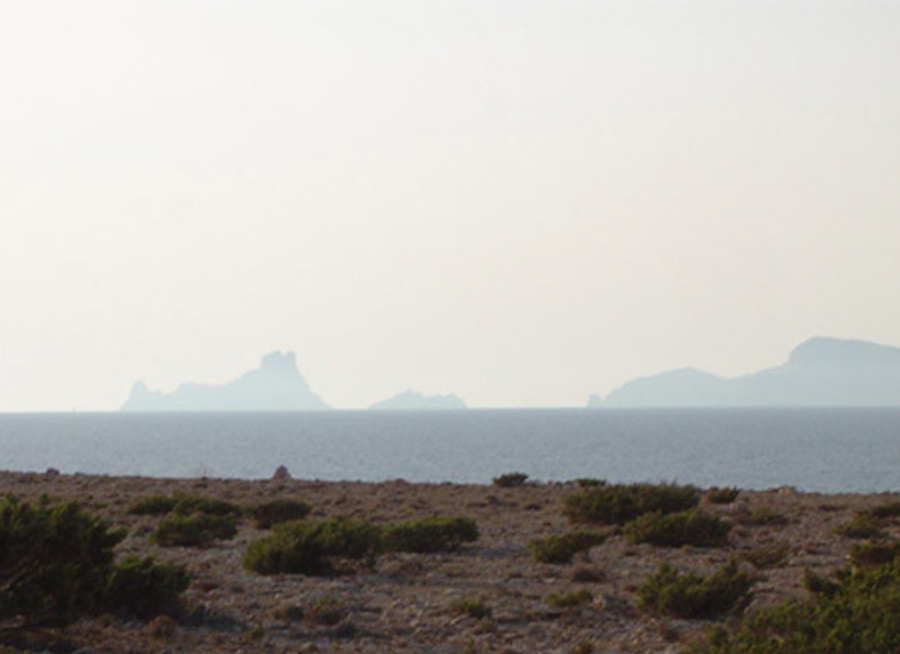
{"x": 405, "y": 602}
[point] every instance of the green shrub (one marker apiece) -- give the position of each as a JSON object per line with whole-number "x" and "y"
{"x": 884, "y": 511}
{"x": 869, "y": 523}
{"x": 327, "y": 610}
{"x": 590, "y": 482}
{"x": 435, "y": 534}
{"x": 874, "y": 553}
{"x": 587, "y": 575}
{"x": 310, "y": 547}
{"x": 56, "y": 564}
{"x": 762, "y": 516}
{"x": 183, "y": 504}
{"x": 617, "y": 504}
{"x": 189, "y": 504}
{"x": 853, "y": 613}
{"x": 194, "y": 530}
{"x": 693, "y": 596}
{"x": 863, "y": 525}
{"x": 817, "y": 584}
{"x": 570, "y": 600}
{"x": 153, "y": 505}
{"x": 767, "y": 556}
{"x": 510, "y": 479}
{"x": 54, "y": 560}
{"x": 273, "y": 512}
{"x": 722, "y": 495}
{"x": 678, "y": 529}
{"x": 474, "y": 608}
{"x": 143, "y": 588}
{"x": 562, "y": 547}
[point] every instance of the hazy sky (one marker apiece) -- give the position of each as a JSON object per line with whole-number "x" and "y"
{"x": 521, "y": 202}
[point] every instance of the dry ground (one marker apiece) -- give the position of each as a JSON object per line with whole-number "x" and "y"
{"x": 404, "y": 602}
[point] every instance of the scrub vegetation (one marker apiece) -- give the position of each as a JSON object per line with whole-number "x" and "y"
{"x": 57, "y": 564}
{"x": 695, "y": 596}
{"x": 323, "y": 547}
{"x": 616, "y": 504}
{"x": 851, "y": 612}
{"x": 692, "y": 527}
{"x": 356, "y": 566}
{"x": 561, "y": 548}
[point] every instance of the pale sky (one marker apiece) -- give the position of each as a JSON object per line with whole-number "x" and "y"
{"x": 521, "y": 202}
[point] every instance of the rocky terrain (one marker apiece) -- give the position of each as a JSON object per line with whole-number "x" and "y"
{"x": 411, "y": 602}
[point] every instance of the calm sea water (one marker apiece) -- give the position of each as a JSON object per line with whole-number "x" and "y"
{"x": 829, "y": 450}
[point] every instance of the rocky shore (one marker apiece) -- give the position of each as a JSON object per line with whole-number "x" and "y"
{"x": 406, "y": 602}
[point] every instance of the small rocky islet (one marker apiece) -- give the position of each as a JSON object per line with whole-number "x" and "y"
{"x": 490, "y": 595}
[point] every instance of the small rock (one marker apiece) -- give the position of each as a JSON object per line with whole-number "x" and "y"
{"x": 292, "y": 613}
{"x": 282, "y": 474}
{"x": 162, "y": 626}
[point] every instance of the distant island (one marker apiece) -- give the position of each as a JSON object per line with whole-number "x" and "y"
{"x": 820, "y": 372}
{"x": 415, "y": 401}
{"x": 276, "y": 385}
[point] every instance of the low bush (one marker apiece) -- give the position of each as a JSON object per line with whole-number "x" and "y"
{"x": 188, "y": 504}
{"x": 869, "y": 523}
{"x": 620, "y": 503}
{"x": 153, "y": 505}
{"x": 874, "y": 553}
{"x": 694, "y": 596}
{"x": 678, "y": 529}
{"x": 818, "y": 584}
{"x": 510, "y": 479}
{"x": 312, "y": 547}
{"x": 855, "y": 612}
{"x": 57, "y": 564}
{"x": 143, "y": 588}
{"x": 326, "y": 610}
{"x": 863, "y": 525}
{"x": 54, "y": 560}
{"x": 590, "y": 482}
{"x": 587, "y": 575}
{"x": 762, "y": 516}
{"x": 562, "y": 547}
{"x": 435, "y": 534}
{"x": 474, "y": 608}
{"x": 722, "y": 495}
{"x": 773, "y": 555}
{"x": 570, "y": 600}
{"x": 267, "y": 514}
{"x": 184, "y": 504}
{"x": 194, "y": 530}
{"x": 884, "y": 511}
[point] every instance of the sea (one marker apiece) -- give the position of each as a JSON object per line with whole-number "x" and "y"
{"x": 824, "y": 450}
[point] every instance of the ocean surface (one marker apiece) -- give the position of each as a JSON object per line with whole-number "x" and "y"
{"x": 827, "y": 450}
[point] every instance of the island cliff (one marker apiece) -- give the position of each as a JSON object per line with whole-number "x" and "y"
{"x": 276, "y": 385}
{"x": 820, "y": 372}
{"x": 415, "y": 401}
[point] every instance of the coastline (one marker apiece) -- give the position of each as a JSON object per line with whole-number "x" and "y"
{"x": 403, "y": 602}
